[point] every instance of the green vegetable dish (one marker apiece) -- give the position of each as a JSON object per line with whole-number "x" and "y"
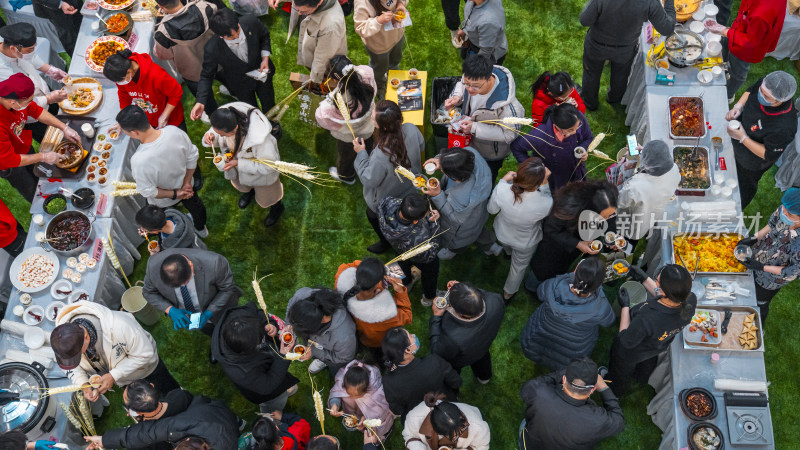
{"x": 55, "y": 206}
{"x": 693, "y": 164}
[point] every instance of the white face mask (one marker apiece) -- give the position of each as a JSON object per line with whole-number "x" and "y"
{"x": 29, "y": 56}
{"x": 124, "y": 82}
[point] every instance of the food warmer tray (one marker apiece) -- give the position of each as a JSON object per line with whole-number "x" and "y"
{"x": 703, "y": 152}
{"x": 702, "y": 119}
{"x": 671, "y": 234}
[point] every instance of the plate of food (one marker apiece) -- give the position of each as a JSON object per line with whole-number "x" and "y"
{"x": 73, "y": 152}
{"x": 98, "y": 51}
{"x": 115, "y": 5}
{"x": 83, "y": 96}
{"x": 118, "y": 23}
{"x": 33, "y": 270}
{"x": 704, "y": 329}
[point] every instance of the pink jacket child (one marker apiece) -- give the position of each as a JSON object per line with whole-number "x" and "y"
{"x": 358, "y": 391}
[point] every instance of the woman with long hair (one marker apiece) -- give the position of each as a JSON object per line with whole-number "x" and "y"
{"x": 319, "y": 315}
{"x": 521, "y": 201}
{"x": 365, "y": 288}
{"x": 281, "y": 430}
{"x": 358, "y": 392}
{"x": 553, "y": 89}
{"x": 437, "y": 423}
{"x": 384, "y": 47}
{"x": 647, "y": 329}
{"x": 398, "y": 145}
{"x": 561, "y": 242}
{"x": 565, "y": 326}
{"x": 355, "y": 85}
{"x": 408, "y": 378}
{"x": 244, "y": 132}
{"x": 564, "y": 128}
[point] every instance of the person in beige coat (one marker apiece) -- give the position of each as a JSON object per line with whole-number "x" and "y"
{"x": 384, "y": 47}
{"x": 323, "y": 35}
{"x": 436, "y": 423}
{"x": 90, "y": 339}
{"x": 244, "y": 132}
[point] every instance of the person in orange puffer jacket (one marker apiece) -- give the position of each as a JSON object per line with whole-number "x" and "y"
{"x": 375, "y": 310}
{"x": 553, "y": 89}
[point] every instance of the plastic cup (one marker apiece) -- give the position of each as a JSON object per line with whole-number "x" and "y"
{"x": 699, "y": 14}
{"x": 714, "y": 358}
{"x": 714, "y": 48}
{"x": 711, "y": 11}
{"x": 38, "y": 219}
{"x": 734, "y": 124}
{"x": 727, "y": 191}
{"x": 731, "y": 183}
{"x": 715, "y": 190}
{"x": 430, "y": 168}
{"x": 716, "y": 71}
{"x": 88, "y": 130}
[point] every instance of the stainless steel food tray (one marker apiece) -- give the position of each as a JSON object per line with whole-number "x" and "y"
{"x": 672, "y": 235}
{"x": 702, "y": 119}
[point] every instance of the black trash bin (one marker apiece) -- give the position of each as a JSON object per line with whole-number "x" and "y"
{"x": 441, "y": 89}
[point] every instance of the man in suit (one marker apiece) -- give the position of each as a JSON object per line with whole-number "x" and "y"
{"x": 185, "y": 281}
{"x": 241, "y": 45}
{"x": 65, "y": 16}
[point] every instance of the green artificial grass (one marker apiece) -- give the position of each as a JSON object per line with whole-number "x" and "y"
{"x": 328, "y": 227}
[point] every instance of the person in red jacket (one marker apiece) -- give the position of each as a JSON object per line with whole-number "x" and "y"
{"x": 141, "y": 81}
{"x": 16, "y": 154}
{"x": 12, "y": 236}
{"x": 553, "y": 89}
{"x": 752, "y": 35}
{"x": 289, "y": 430}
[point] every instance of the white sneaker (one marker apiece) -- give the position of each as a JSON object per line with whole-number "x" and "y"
{"x": 204, "y": 118}
{"x": 494, "y": 250}
{"x": 224, "y": 90}
{"x": 484, "y": 381}
{"x": 730, "y": 100}
{"x": 202, "y": 233}
{"x": 316, "y": 366}
{"x": 445, "y": 254}
{"x": 334, "y": 173}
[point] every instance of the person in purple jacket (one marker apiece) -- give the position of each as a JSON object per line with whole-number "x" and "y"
{"x": 563, "y": 129}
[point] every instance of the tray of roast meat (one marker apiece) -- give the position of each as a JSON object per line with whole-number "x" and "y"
{"x": 686, "y": 118}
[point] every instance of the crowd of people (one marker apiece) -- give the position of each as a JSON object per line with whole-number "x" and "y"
{"x": 355, "y": 330}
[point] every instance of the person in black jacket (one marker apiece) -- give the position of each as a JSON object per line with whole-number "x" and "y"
{"x": 409, "y": 378}
{"x": 560, "y": 414}
{"x": 241, "y": 45}
{"x": 65, "y": 16}
{"x": 463, "y": 332}
{"x": 562, "y": 242}
{"x": 163, "y": 423}
{"x": 648, "y": 328}
{"x": 246, "y": 346}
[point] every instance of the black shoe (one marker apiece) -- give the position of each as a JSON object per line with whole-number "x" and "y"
{"x": 277, "y": 130}
{"x": 275, "y": 212}
{"x": 379, "y": 247}
{"x": 246, "y": 198}
{"x": 197, "y": 180}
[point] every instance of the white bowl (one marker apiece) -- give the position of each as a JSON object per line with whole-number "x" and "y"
{"x": 713, "y": 37}
{"x": 714, "y": 48}
{"x": 34, "y": 338}
{"x": 731, "y": 183}
{"x": 716, "y": 190}
{"x": 52, "y": 310}
{"x": 711, "y": 10}
{"x": 430, "y": 168}
{"x": 719, "y": 179}
{"x": 705, "y": 76}
{"x": 38, "y": 219}
{"x": 19, "y": 310}
{"x": 699, "y": 14}
{"x": 697, "y": 27}
{"x": 727, "y": 191}
{"x": 77, "y": 293}
{"x": 716, "y": 71}
{"x": 60, "y": 285}
{"x": 734, "y": 124}
{"x": 29, "y": 319}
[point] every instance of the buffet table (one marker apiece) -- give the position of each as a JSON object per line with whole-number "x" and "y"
{"x": 681, "y": 367}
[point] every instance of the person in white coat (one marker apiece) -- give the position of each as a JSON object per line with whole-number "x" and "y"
{"x": 90, "y": 339}
{"x": 242, "y": 134}
{"x": 521, "y": 201}
{"x": 436, "y": 423}
{"x": 642, "y": 197}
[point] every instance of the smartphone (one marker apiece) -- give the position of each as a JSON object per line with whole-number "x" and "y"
{"x": 633, "y": 146}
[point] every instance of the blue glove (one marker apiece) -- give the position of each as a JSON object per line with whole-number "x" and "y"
{"x": 44, "y": 445}
{"x": 204, "y": 318}
{"x": 180, "y": 317}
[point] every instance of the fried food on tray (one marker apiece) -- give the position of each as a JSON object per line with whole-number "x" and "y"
{"x": 117, "y": 23}
{"x": 686, "y": 116}
{"x": 715, "y": 251}
{"x": 81, "y": 98}
{"x": 103, "y": 50}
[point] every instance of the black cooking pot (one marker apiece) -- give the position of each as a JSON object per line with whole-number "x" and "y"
{"x": 26, "y": 380}
{"x": 73, "y": 248}
{"x": 693, "y": 428}
{"x": 684, "y": 395}
{"x": 86, "y": 199}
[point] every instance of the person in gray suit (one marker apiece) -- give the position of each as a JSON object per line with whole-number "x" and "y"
{"x": 184, "y": 281}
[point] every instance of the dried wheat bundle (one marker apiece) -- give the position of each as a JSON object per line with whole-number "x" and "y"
{"x": 47, "y": 392}
{"x": 124, "y": 184}
{"x": 259, "y": 295}
{"x": 511, "y": 121}
{"x": 338, "y": 100}
{"x": 108, "y": 246}
{"x": 276, "y": 112}
{"x": 125, "y": 192}
{"x": 319, "y": 409}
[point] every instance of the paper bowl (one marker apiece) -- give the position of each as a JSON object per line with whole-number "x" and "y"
{"x": 52, "y": 310}
{"x": 711, "y": 10}
{"x": 697, "y": 27}
{"x": 394, "y": 83}
{"x": 705, "y": 76}
{"x": 29, "y": 319}
{"x": 714, "y": 48}
{"x": 34, "y": 338}
{"x": 76, "y": 294}
{"x": 60, "y": 285}
{"x": 698, "y": 15}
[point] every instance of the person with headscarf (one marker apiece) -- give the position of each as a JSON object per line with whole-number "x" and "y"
{"x": 643, "y": 196}
{"x": 565, "y": 326}
{"x": 768, "y": 123}
{"x": 776, "y": 251}
{"x": 358, "y": 392}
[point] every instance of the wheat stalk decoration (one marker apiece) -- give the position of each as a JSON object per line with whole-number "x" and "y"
{"x": 47, "y": 392}
{"x": 256, "y": 283}
{"x": 125, "y": 192}
{"x": 319, "y": 409}
{"x": 276, "y": 113}
{"x": 108, "y": 246}
{"x": 297, "y": 172}
{"x": 338, "y": 100}
{"x": 414, "y": 251}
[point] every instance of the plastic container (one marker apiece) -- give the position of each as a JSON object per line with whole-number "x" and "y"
{"x": 714, "y": 48}
{"x": 134, "y": 302}
{"x": 734, "y": 124}
{"x": 440, "y": 91}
